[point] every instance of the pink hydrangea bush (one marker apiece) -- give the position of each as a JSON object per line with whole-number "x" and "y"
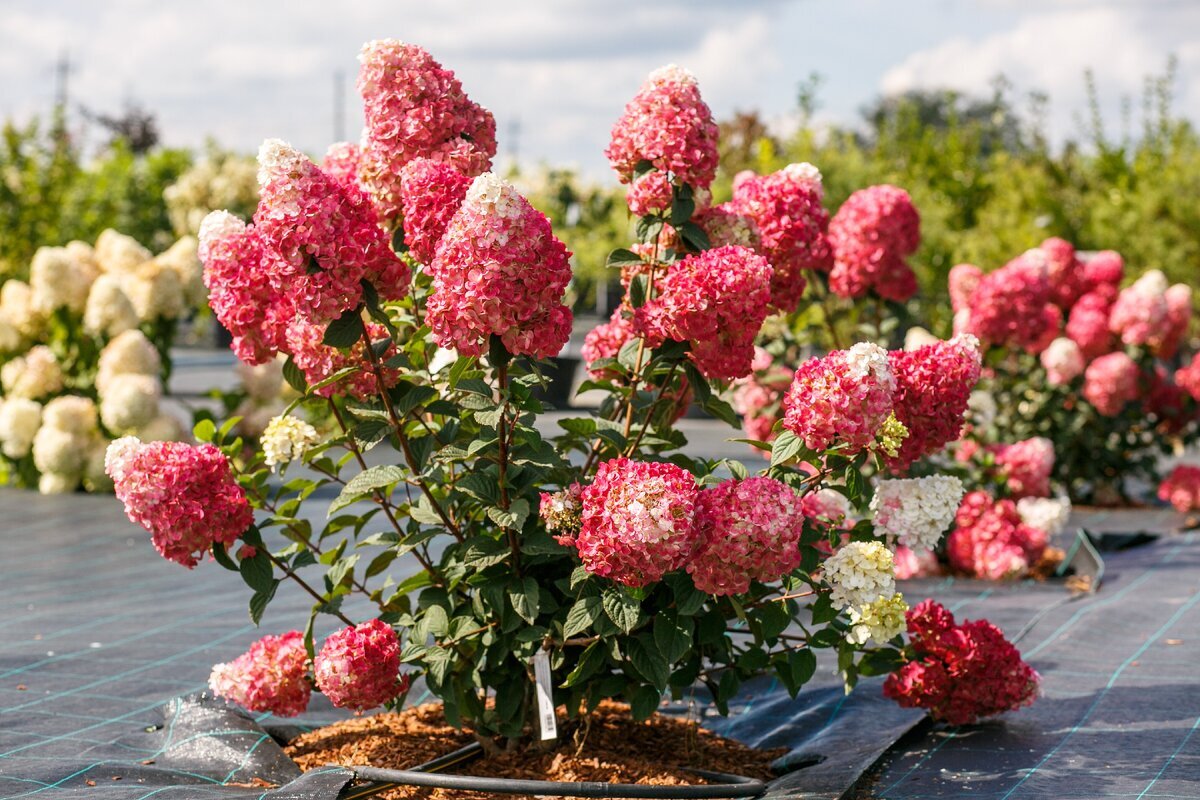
{"x": 271, "y": 676}
{"x": 359, "y": 667}
{"x": 871, "y": 235}
{"x": 1027, "y": 466}
{"x": 1182, "y": 488}
{"x": 960, "y": 673}
{"x": 933, "y": 386}
{"x": 990, "y": 540}
{"x": 185, "y": 496}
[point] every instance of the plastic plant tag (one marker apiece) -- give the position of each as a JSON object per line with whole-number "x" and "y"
{"x": 545, "y": 695}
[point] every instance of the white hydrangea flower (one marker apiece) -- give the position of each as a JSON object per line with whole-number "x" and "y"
{"x": 85, "y": 258}
{"x": 1047, "y": 514}
{"x": 163, "y": 428}
{"x": 287, "y": 439}
{"x": 859, "y": 573}
{"x": 18, "y": 310}
{"x": 879, "y": 622}
{"x": 1063, "y": 360}
{"x": 95, "y": 479}
{"x": 262, "y": 382}
{"x": 494, "y": 195}
{"x": 117, "y": 253}
{"x": 219, "y": 181}
{"x": 182, "y": 258}
{"x": 130, "y": 353}
{"x": 57, "y": 280}
{"x": 129, "y": 402}
{"x": 54, "y": 483}
{"x": 155, "y": 291}
{"x": 10, "y": 337}
{"x": 981, "y": 408}
{"x": 71, "y": 413}
{"x": 33, "y": 375}
{"x": 59, "y": 451}
{"x": 672, "y": 73}
{"x": 869, "y": 359}
{"x": 109, "y": 311}
{"x": 19, "y": 421}
{"x": 119, "y": 451}
{"x": 917, "y": 337}
{"x": 917, "y": 511}
{"x": 807, "y": 173}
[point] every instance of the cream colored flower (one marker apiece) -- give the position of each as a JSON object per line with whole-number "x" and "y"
{"x": 859, "y": 573}
{"x": 155, "y": 291}
{"x": 19, "y": 422}
{"x": 263, "y": 382}
{"x": 118, "y": 254}
{"x": 287, "y": 439}
{"x": 129, "y": 402}
{"x": 108, "y": 312}
{"x": 182, "y": 259}
{"x": 59, "y": 451}
{"x": 95, "y": 479}
{"x": 1047, "y": 514}
{"x": 71, "y": 414}
{"x": 163, "y": 428}
{"x": 916, "y": 511}
{"x": 879, "y": 622}
{"x": 57, "y": 280}
{"x": 131, "y": 353}
{"x": 18, "y": 310}
{"x": 54, "y": 483}
{"x": 33, "y": 375}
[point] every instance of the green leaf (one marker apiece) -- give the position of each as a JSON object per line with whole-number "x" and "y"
{"x": 855, "y": 485}
{"x": 672, "y": 635}
{"x": 582, "y": 616}
{"x": 786, "y": 447}
{"x": 345, "y": 330}
{"x": 259, "y": 601}
{"x": 514, "y": 517}
{"x": 694, "y": 236}
{"x": 204, "y": 430}
{"x": 484, "y": 552}
{"x": 682, "y": 210}
{"x": 802, "y": 664}
{"x": 622, "y": 609}
{"x": 257, "y": 572}
{"x": 621, "y": 258}
{"x": 364, "y": 483}
{"x": 524, "y": 599}
{"x": 221, "y": 556}
{"x": 637, "y": 290}
{"x": 589, "y": 663}
{"x": 644, "y": 702}
{"x": 649, "y": 662}
{"x": 294, "y": 376}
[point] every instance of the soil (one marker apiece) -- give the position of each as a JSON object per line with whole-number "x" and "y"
{"x": 616, "y": 750}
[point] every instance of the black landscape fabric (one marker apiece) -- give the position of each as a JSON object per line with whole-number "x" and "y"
{"x": 105, "y": 647}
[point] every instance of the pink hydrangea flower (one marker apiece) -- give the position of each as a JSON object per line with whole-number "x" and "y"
{"x": 239, "y": 290}
{"x": 1027, "y": 466}
{"x": 871, "y": 234}
{"x": 1011, "y": 307}
{"x": 430, "y": 195}
{"x": 668, "y": 124}
{"x": 319, "y": 361}
{"x": 844, "y": 397}
{"x": 791, "y": 221}
{"x": 748, "y": 530}
{"x": 1139, "y": 316}
{"x": 911, "y": 564}
{"x": 1064, "y": 272}
{"x": 185, "y": 496}
{"x": 1087, "y": 324}
{"x": 651, "y": 193}
{"x": 1110, "y": 382}
{"x": 726, "y": 226}
{"x": 991, "y": 541}
{"x": 1107, "y": 266}
{"x": 758, "y": 398}
{"x": 1182, "y": 488}
{"x": 415, "y": 108}
{"x": 933, "y": 385}
{"x": 716, "y": 301}
{"x": 341, "y": 164}
{"x": 1187, "y": 377}
{"x": 963, "y": 280}
{"x": 1179, "y": 318}
{"x": 271, "y": 676}
{"x": 359, "y": 667}
{"x": 605, "y": 341}
{"x": 637, "y": 521}
{"x": 499, "y": 271}
{"x": 962, "y": 673}
{"x": 325, "y": 235}
{"x": 1063, "y": 361}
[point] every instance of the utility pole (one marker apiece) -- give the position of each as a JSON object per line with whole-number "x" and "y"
{"x": 339, "y": 106}
{"x": 62, "y": 70}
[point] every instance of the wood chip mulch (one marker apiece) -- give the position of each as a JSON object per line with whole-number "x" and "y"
{"x": 616, "y": 750}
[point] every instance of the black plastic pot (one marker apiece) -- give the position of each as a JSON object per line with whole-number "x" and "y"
{"x": 560, "y": 372}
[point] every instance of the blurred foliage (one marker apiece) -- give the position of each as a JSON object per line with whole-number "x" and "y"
{"x": 50, "y": 194}
{"x": 989, "y": 185}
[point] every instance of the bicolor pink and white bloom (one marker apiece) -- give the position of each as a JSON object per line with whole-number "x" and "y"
{"x": 637, "y": 521}
{"x": 1139, "y": 316}
{"x": 1110, "y": 382}
{"x": 791, "y": 221}
{"x": 271, "y": 676}
{"x": 749, "y": 530}
{"x": 1182, "y": 488}
{"x": 933, "y": 388}
{"x": 668, "y": 124}
{"x": 912, "y": 564}
{"x": 871, "y": 235}
{"x": 716, "y": 301}
{"x": 844, "y": 397}
{"x": 359, "y": 667}
{"x": 1106, "y": 267}
{"x": 499, "y": 271}
{"x": 1011, "y": 307}
{"x": 1063, "y": 361}
{"x": 184, "y": 495}
{"x": 1027, "y": 466}
{"x": 416, "y": 108}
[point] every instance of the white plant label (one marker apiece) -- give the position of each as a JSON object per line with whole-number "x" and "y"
{"x": 545, "y": 695}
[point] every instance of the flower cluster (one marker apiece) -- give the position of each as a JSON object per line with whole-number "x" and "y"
{"x": 605, "y": 341}
{"x": 359, "y": 667}
{"x": 499, "y": 271}
{"x": 991, "y": 540}
{"x": 271, "y": 676}
{"x": 916, "y": 511}
{"x": 1063, "y": 361}
{"x": 748, "y": 530}
{"x": 758, "y": 398}
{"x": 962, "y": 672}
{"x": 562, "y": 513}
{"x": 185, "y": 496}
{"x": 871, "y": 235}
{"x": 843, "y": 397}
{"x": 637, "y": 521}
{"x": 416, "y": 108}
{"x": 1182, "y": 488}
{"x": 1112, "y": 381}
{"x": 859, "y": 573}
{"x": 430, "y": 195}
{"x": 915, "y": 563}
{"x": 1027, "y": 466}
{"x": 716, "y": 302}
{"x": 220, "y": 180}
{"x": 933, "y": 387}
{"x": 1187, "y": 377}
{"x": 286, "y": 439}
{"x": 1012, "y": 307}
{"x": 879, "y": 622}
{"x": 1047, "y": 514}
{"x": 669, "y": 125}
{"x": 786, "y": 209}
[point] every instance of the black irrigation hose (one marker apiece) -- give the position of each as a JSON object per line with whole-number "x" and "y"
{"x": 427, "y": 775}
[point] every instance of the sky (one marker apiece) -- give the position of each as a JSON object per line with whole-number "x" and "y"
{"x": 556, "y": 73}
